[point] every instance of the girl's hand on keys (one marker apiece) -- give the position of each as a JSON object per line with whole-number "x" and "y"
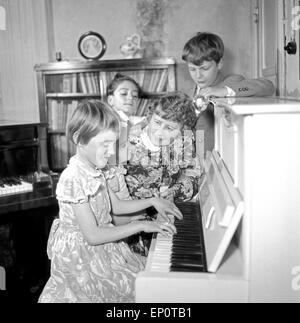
{"x": 165, "y": 228}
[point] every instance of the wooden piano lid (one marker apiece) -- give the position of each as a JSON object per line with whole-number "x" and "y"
{"x": 6, "y": 123}
{"x": 259, "y": 105}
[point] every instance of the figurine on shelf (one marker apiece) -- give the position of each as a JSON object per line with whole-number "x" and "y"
{"x": 131, "y": 48}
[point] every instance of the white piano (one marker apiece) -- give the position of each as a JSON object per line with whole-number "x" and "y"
{"x": 250, "y": 212}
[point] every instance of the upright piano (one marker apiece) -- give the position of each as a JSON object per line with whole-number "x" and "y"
{"x": 240, "y": 239}
{"x": 27, "y": 207}
{"x": 25, "y": 179}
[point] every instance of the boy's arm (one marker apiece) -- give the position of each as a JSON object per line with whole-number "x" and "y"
{"x": 237, "y": 85}
{"x": 248, "y": 87}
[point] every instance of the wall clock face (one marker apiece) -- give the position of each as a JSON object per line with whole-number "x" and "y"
{"x": 91, "y": 45}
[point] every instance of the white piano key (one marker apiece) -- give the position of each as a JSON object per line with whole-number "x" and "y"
{"x": 24, "y": 187}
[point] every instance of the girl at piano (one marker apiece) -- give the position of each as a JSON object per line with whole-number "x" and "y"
{"x": 89, "y": 260}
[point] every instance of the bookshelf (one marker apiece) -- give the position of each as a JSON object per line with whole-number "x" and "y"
{"x": 61, "y": 85}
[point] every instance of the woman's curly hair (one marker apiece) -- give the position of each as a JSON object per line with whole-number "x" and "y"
{"x": 176, "y": 107}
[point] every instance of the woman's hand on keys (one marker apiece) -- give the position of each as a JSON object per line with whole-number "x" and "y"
{"x": 167, "y": 209}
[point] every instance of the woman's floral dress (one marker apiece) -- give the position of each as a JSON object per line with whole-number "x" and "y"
{"x": 81, "y": 272}
{"x": 152, "y": 170}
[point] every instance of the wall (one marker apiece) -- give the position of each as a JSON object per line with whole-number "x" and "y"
{"x": 38, "y": 29}
{"x": 177, "y": 21}
{"x": 292, "y": 72}
{"x": 23, "y": 42}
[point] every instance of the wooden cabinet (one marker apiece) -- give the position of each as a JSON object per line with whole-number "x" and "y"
{"x": 62, "y": 85}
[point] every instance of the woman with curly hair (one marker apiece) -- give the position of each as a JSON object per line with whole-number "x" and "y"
{"x": 162, "y": 158}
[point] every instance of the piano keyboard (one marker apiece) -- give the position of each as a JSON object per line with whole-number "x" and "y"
{"x": 13, "y": 186}
{"x": 184, "y": 251}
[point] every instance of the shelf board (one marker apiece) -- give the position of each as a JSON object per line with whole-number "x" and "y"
{"x": 72, "y": 95}
{"x": 121, "y": 64}
{"x": 145, "y": 95}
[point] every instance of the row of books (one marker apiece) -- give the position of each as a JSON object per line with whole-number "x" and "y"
{"x": 154, "y": 80}
{"x": 142, "y": 108}
{"x": 59, "y": 113}
{"x": 61, "y": 150}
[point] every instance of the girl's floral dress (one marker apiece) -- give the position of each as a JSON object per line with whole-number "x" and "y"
{"x": 81, "y": 272}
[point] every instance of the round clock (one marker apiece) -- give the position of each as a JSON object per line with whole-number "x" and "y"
{"x": 91, "y": 45}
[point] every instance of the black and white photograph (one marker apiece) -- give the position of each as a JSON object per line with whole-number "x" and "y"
{"x": 149, "y": 154}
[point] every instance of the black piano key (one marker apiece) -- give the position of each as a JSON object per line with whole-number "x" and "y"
{"x": 195, "y": 246}
{"x": 14, "y": 181}
{"x": 186, "y": 234}
{"x": 186, "y": 249}
{"x": 187, "y": 263}
{"x": 191, "y": 255}
{"x": 19, "y": 182}
{"x": 185, "y": 259}
{"x": 187, "y": 268}
{"x": 180, "y": 251}
{"x": 6, "y": 181}
{"x": 184, "y": 239}
{"x": 186, "y": 220}
{"x": 186, "y": 244}
{"x": 188, "y": 228}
